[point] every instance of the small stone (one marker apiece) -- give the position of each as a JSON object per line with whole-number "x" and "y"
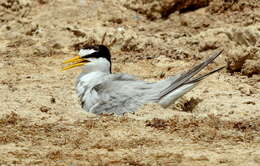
{"x": 53, "y": 100}
{"x": 45, "y": 109}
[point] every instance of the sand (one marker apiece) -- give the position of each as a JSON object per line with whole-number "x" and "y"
{"x": 217, "y": 123}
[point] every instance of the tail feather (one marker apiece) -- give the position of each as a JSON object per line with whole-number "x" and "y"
{"x": 184, "y": 88}
{"x": 185, "y": 77}
{"x": 174, "y": 95}
{"x": 197, "y": 79}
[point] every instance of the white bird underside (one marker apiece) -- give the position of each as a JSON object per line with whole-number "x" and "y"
{"x": 101, "y": 92}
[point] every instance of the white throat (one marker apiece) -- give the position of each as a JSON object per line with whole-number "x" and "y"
{"x": 97, "y": 65}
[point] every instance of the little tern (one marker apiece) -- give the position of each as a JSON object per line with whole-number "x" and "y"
{"x": 102, "y": 92}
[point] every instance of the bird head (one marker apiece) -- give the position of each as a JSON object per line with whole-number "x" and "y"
{"x": 89, "y": 55}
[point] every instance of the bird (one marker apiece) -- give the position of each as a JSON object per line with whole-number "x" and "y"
{"x": 102, "y": 92}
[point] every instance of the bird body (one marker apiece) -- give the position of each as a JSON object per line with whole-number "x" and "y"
{"x": 102, "y": 92}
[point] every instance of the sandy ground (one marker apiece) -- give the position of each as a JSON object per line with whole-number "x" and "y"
{"x": 41, "y": 122}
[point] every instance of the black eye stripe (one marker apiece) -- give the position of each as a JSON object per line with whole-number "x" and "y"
{"x": 101, "y": 52}
{"x": 93, "y": 55}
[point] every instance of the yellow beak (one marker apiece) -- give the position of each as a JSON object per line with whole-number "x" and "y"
{"x": 77, "y": 61}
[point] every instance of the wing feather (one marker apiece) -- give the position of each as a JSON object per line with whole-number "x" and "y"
{"x": 184, "y": 77}
{"x": 120, "y": 94}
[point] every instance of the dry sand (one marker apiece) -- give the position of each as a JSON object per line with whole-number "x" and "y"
{"x": 41, "y": 122}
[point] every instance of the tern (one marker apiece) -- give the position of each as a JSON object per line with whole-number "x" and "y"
{"x": 102, "y": 92}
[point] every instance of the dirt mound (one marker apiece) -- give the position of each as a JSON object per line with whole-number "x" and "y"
{"x": 244, "y": 56}
{"x": 245, "y": 60}
{"x": 220, "y": 6}
{"x": 163, "y": 8}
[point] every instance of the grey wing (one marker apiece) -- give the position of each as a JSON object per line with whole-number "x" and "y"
{"x": 120, "y": 94}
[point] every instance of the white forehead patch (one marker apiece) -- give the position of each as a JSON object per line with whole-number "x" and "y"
{"x": 84, "y": 52}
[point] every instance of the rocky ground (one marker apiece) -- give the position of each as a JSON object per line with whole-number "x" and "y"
{"x": 41, "y": 122}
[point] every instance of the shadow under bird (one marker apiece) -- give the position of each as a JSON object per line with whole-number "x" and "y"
{"x": 103, "y": 92}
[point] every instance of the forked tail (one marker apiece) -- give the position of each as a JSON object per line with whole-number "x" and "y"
{"x": 184, "y": 83}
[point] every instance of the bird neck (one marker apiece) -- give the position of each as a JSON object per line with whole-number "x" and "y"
{"x": 97, "y": 65}
{"x": 92, "y": 74}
